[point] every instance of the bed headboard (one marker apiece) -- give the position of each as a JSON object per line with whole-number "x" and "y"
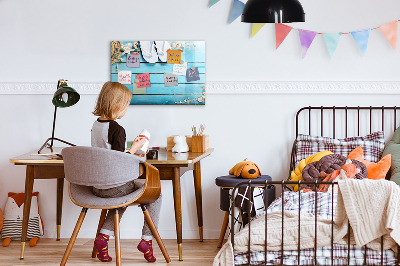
{"x": 344, "y": 118}
{"x": 344, "y": 121}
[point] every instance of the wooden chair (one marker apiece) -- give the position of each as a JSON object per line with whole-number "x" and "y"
{"x": 85, "y": 167}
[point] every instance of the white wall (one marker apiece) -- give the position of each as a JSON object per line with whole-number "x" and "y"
{"x": 47, "y": 40}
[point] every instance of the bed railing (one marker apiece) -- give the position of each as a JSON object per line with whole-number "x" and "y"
{"x": 346, "y": 109}
{"x": 265, "y": 185}
{"x": 336, "y": 122}
{"x": 331, "y": 119}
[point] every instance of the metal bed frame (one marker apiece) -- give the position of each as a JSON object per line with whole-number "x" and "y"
{"x": 283, "y": 184}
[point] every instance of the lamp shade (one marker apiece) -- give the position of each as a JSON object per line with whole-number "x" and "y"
{"x": 65, "y": 96}
{"x": 273, "y": 11}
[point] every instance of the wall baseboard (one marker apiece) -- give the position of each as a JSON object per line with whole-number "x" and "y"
{"x": 232, "y": 87}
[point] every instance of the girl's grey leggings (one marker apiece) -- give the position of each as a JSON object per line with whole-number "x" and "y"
{"x": 154, "y": 208}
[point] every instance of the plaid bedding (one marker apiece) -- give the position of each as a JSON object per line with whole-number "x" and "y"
{"x": 372, "y": 145}
{"x": 306, "y": 202}
{"x": 323, "y": 207}
{"x": 324, "y": 257}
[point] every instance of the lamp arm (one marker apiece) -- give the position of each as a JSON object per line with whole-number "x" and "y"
{"x": 51, "y": 140}
{"x": 46, "y": 144}
{"x": 55, "y": 116}
{"x": 54, "y": 126}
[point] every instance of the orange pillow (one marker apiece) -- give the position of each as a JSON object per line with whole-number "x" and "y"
{"x": 375, "y": 170}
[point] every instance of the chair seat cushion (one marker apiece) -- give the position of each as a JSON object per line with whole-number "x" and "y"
{"x": 83, "y": 195}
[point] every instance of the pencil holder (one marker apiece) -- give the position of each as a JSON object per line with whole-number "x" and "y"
{"x": 200, "y": 143}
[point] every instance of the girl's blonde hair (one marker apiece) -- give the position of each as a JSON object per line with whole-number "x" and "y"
{"x": 112, "y": 99}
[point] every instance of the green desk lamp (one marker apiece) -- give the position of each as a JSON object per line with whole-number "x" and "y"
{"x": 65, "y": 96}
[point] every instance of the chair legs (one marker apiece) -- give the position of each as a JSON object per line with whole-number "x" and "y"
{"x": 78, "y": 225}
{"x": 154, "y": 230}
{"x": 117, "y": 238}
{"x": 73, "y": 237}
{"x": 101, "y": 222}
{"x": 223, "y": 229}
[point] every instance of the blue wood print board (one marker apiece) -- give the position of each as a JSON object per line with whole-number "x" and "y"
{"x": 161, "y": 72}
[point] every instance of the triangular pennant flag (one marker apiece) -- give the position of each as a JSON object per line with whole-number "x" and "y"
{"x": 281, "y": 31}
{"x": 389, "y": 30}
{"x": 306, "y": 39}
{"x": 256, "y": 27}
{"x": 213, "y": 2}
{"x": 237, "y": 9}
{"x": 332, "y": 41}
{"x": 361, "y": 37}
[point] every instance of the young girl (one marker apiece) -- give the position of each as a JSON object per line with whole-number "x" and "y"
{"x": 112, "y": 104}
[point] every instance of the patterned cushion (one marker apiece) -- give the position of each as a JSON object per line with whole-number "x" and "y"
{"x": 372, "y": 144}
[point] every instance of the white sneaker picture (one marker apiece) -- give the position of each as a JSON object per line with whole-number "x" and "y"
{"x": 149, "y": 52}
{"x": 162, "y": 48}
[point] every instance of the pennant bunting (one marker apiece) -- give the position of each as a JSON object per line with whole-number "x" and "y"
{"x": 281, "y": 31}
{"x": 361, "y": 37}
{"x": 306, "y": 39}
{"x": 389, "y": 30}
{"x": 213, "y": 2}
{"x": 256, "y": 27}
{"x": 332, "y": 41}
{"x": 237, "y": 9}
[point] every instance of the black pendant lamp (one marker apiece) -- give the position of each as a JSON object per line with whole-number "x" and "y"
{"x": 273, "y": 11}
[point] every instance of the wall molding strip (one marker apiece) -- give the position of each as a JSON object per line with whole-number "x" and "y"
{"x": 232, "y": 87}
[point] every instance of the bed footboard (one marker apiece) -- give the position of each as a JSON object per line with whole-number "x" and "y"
{"x": 310, "y": 254}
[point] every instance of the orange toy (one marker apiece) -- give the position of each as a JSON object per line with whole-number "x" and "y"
{"x": 375, "y": 170}
{"x": 348, "y": 170}
{"x": 245, "y": 169}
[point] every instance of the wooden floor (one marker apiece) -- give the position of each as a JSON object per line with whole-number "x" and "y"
{"x": 50, "y": 252}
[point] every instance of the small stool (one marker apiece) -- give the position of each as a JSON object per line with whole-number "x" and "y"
{"x": 226, "y": 183}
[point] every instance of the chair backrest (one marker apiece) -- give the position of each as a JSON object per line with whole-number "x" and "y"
{"x": 92, "y": 166}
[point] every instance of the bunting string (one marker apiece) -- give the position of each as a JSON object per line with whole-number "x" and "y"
{"x": 343, "y": 33}
{"x": 361, "y": 37}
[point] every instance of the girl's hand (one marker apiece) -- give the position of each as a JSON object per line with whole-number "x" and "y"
{"x": 137, "y": 144}
{"x": 143, "y": 155}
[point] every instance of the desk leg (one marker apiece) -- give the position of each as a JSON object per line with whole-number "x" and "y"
{"x": 199, "y": 204}
{"x": 176, "y": 182}
{"x": 60, "y": 190}
{"x": 27, "y": 206}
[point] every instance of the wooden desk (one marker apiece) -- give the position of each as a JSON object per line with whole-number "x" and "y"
{"x": 169, "y": 165}
{"x": 40, "y": 167}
